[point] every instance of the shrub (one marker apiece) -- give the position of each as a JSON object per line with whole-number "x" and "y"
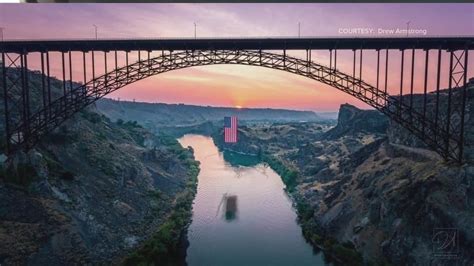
{"x": 347, "y": 255}
{"x": 92, "y": 117}
{"x": 163, "y": 247}
{"x": 23, "y": 175}
{"x": 288, "y": 175}
{"x": 317, "y": 239}
{"x": 305, "y": 211}
{"x": 67, "y": 175}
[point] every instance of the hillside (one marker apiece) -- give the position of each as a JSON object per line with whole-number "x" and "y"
{"x": 363, "y": 197}
{"x": 94, "y": 191}
{"x": 160, "y": 114}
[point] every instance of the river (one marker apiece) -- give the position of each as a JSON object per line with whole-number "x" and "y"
{"x": 241, "y": 214}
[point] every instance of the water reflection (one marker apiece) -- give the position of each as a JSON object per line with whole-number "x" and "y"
{"x": 241, "y": 214}
{"x": 230, "y": 207}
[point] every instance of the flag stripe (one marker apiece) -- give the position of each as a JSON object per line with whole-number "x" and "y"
{"x": 230, "y": 129}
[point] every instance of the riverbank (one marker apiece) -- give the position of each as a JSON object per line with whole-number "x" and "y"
{"x": 335, "y": 252}
{"x": 344, "y": 253}
{"x": 360, "y": 196}
{"x": 167, "y": 246}
{"x": 92, "y": 192}
{"x": 241, "y": 213}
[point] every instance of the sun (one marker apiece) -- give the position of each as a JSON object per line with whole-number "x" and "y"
{"x": 238, "y": 106}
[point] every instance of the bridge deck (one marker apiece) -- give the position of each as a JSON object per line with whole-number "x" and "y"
{"x": 273, "y": 43}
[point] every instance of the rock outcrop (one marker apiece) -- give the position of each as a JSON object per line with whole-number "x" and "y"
{"x": 352, "y": 120}
{"x": 358, "y": 192}
{"x": 90, "y": 192}
{"x": 399, "y": 135}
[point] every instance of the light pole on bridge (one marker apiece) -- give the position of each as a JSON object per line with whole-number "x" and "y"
{"x": 408, "y": 26}
{"x": 299, "y": 30}
{"x": 195, "y": 36}
{"x": 95, "y": 28}
{"x": 1, "y": 33}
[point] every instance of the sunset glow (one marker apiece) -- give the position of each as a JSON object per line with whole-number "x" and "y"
{"x": 226, "y": 85}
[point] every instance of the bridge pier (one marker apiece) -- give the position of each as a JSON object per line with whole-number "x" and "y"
{"x": 5, "y": 105}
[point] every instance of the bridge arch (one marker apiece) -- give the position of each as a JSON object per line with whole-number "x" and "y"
{"x": 48, "y": 118}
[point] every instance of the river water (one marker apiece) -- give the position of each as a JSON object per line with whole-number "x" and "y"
{"x": 241, "y": 214}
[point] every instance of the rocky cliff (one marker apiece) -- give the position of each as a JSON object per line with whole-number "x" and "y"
{"x": 352, "y": 120}
{"x": 399, "y": 135}
{"x": 91, "y": 192}
{"x": 367, "y": 200}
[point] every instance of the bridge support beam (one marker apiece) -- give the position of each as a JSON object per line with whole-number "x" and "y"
{"x": 442, "y": 131}
{"x": 425, "y": 91}
{"x": 457, "y": 100}
{"x": 5, "y": 104}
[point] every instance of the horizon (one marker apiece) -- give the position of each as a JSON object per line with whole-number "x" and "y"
{"x": 231, "y": 107}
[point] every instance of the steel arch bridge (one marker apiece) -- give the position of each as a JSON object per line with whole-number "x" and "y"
{"x": 440, "y": 125}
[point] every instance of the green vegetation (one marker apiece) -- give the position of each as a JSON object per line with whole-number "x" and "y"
{"x": 136, "y": 131}
{"x": 170, "y": 142}
{"x": 288, "y": 176}
{"x": 348, "y": 255}
{"x": 164, "y": 247}
{"x": 305, "y": 211}
{"x": 23, "y": 175}
{"x": 239, "y": 159}
{"x": 94, "y": 117}
{"x": 344, "y": 253}
{"x": 61, "y": 136}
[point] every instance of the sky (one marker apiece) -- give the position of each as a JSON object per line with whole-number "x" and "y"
{"x": 246, "y": 86}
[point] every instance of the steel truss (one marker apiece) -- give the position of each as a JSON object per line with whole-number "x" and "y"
{"x": 441, "y": 131}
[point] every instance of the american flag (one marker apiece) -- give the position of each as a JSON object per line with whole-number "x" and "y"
{"x": 230, "y": 129}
